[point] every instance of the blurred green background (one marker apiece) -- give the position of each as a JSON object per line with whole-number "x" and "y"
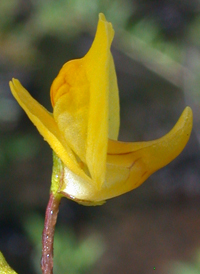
{"x": 153, "y": 229}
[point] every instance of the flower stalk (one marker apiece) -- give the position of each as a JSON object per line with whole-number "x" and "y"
{"x": 48, "y": 233}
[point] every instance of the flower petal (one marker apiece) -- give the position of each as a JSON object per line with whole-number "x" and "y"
{"x": 47, "y": 127}
{"x": 100, "y": 70}
{"x": 130, "y": 164}
{"x": 102, "y": 76}
{"x": 85, "y": 99}
{"x": 114, "y": 112}
{"x": 70, "y": 93}
{"x": 144, "y": 158}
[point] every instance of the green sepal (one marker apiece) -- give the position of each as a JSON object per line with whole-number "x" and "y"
{"x": 57, "y": 174}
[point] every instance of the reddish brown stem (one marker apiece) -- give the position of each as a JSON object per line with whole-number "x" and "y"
{"x": 48, "y": 234}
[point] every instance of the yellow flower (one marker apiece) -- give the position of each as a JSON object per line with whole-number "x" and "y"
{"x": 90, "y": 165}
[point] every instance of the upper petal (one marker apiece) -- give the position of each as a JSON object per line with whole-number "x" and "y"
{"x": 103, "y": 118}
{"x": 86, "y": 102}
{"x": 101, "y": 70}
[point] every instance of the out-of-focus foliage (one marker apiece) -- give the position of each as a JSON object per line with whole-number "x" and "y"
{"x": 161, "y": 25}
{"x": 71, "y": 255}
{"x": 162, "y": 35}
{"x": 23, "y": 23}
{"x": 186, "y": 267}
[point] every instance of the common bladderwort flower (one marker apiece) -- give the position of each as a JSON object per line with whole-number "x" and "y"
{"x": 90, "y": 165}
{"x": 84, "y": 125}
